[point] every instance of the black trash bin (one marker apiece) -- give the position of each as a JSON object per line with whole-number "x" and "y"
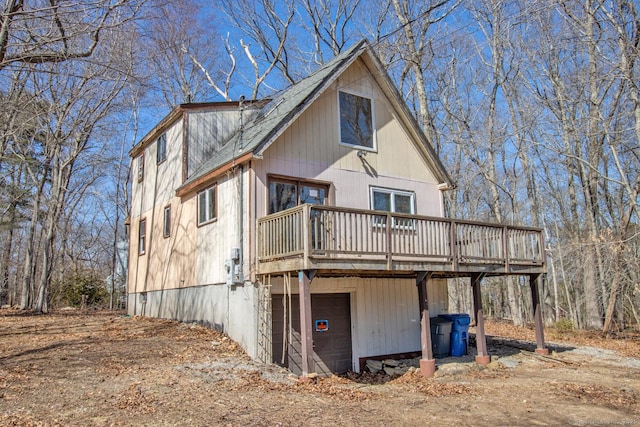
{"x": 440, "y": 336}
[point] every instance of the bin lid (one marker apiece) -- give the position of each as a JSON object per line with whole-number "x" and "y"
{"x": 461, "y": 319}
{"x": 440, "y": 325}
{"x": 440, "y": 320}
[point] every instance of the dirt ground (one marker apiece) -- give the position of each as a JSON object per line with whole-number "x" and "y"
{"x": 101, "y": 368}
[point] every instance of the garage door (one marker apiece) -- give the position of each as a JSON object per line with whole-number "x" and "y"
{"x": 331, "y": 324}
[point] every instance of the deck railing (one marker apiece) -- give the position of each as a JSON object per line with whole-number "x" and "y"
{"x": 312, "y": 231}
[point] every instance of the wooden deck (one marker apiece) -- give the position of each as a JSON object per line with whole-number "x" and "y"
{"x": 340, "y": 241}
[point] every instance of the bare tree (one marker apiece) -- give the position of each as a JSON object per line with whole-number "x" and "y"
{"x": 266, "y": 25}
{"x": 330, "y": 24}
{"x": 172, "y": 36}
{"x": 417, "y": 19}
{"x": 38, "y": 32}
{"x": 78, "y": 105}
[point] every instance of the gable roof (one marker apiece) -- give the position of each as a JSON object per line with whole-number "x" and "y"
{"x": 276, "y": 116}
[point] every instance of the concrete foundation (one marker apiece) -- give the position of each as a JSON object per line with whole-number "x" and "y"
{"x": 230, "y": 309}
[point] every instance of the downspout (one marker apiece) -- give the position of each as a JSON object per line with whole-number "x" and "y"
{"x": 240, "y": 226}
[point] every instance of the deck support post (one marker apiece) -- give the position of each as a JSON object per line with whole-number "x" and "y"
{"x": 534, "y": 281}
{"x": 482, "y": 357}
{"x": 306, "y": 337}
{"x": 427, "y": 362}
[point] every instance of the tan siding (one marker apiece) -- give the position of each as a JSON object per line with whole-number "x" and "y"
{"x": 167, "y": 263}
{"x": 160, "y": 181}
{"x": 310, "y": 149}
{"x": 137, "y": 263}
{"x": 215, "y": 240}
{"x": 149, "y": 197}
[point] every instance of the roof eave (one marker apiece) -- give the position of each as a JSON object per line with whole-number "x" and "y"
{"x": 207, "y": 178}
{"x": 174, "y": 115}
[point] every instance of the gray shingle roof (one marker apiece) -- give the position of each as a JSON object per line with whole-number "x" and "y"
{"x": 283, "y": 109}
{"x": 277, "y": 114}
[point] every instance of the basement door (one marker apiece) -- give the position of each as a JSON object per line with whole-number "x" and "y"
{"x": 331, "y": 325}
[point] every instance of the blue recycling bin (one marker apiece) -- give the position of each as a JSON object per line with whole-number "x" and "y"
{"x": 459, "y": 332}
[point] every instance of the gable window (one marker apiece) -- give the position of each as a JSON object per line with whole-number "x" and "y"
{"x": 166, "y": 224}
{"x": 161, "y": 153}
{"x": 356, "y": 121}
{"x": 207, "y": 205}
{"x": 141, "y": 167}
{"x": 396, "y": 201}
{"x": 285, "y": 194}
{"x": 142, "y": 237}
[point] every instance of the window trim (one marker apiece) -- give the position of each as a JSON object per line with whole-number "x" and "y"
{"x": 297, "y": 182}
{"x": 162, "y": 159}
{"x": 374, "y": 139}
{"x": 166, "y": 222}
{"x": 207, "y": 191}
{"x": 141, "y": 167}
{"x": 142, "y": 236}
{"x": 392, "y": 192}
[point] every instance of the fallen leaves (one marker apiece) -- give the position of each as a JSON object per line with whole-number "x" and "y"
{"x": 597, "y": 394}
{"x": 133, "y": 399}
{"x": 626, "y": 343}
{"x": 431, "y": 387}
{"x": 65, "y": 369}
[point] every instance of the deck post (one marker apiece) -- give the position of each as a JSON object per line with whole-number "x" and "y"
{"x": 306, "y": 337}
{"x": 534, "y": 281}
{"x": 482, "y": 357}
{"x": 427, "y": 362}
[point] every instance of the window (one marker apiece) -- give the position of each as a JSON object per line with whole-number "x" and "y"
{"x": 207, "y": 205}
{"x": 141, "y": 167}
{"x": 161, "y": 153}
{"x": 142, "y": 234}
{"x": 396, "y": 201}
{"x": 285, "y": 194}
{"x": 356, "y": 121}
{"x": 166, "y": 224}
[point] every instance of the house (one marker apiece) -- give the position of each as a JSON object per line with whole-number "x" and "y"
{"x": 310, "y": 227}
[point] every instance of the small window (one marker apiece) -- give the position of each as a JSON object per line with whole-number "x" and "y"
{"x": 207, "y": 205}
{"x": 161, "y": 153}
{"x": 395, "y": 201}
{"x": 356, "y": 121}
{"x": 141, "y": 167}
{"x": 142, "y": 234}
{"x": 166, "y": 225}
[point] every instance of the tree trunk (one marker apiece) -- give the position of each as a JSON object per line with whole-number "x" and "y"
{"x": 60, "y": 176}
{"x": 29, "y": 261}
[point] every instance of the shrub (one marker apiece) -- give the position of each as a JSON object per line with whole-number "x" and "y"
{"x": 70, "y": 289}
{"x": 564, "y": 326}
